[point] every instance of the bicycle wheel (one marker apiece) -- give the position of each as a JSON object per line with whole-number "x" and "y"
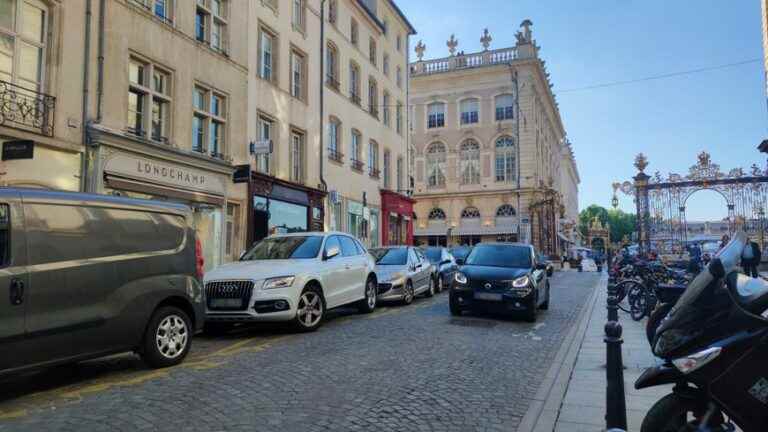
{"x": 625, "y": 288}
{"x": 639, "y": 306}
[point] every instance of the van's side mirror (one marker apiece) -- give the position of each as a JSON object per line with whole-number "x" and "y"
{"x": 331, "y": 253}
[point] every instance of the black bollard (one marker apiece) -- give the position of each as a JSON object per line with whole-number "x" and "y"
{"x": 616, "y": 407}
{"x": 613, "y": 304}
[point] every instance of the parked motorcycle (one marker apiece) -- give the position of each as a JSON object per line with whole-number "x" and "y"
{"x": 715, "y": 343}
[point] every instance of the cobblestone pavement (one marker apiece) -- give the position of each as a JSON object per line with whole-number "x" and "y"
{"x": 411, "y": 368}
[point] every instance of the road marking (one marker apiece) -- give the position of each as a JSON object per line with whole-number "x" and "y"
{"x": 13, "y": 414}
{"x": 108, "y": 384}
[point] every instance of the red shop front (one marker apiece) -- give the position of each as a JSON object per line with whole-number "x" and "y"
{"x": 396, "y": 219}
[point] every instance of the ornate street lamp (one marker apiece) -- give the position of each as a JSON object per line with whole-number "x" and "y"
{"x": 615, "y": 201}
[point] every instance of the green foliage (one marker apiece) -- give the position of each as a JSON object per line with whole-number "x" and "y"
{"x": 622, "y": 224}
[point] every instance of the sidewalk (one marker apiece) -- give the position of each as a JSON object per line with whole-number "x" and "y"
{"x": 575, "y": 399}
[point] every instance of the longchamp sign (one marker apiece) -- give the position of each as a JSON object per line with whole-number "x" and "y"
{"x": 167, "y": 174}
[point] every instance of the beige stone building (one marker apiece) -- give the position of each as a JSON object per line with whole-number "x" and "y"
{"x": 160, "y": 111}
{"x": 328, "y": 139}
{"x": 492, "y": 159}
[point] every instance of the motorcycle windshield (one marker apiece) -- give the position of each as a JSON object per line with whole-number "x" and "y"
{"x": 699, "y": 302}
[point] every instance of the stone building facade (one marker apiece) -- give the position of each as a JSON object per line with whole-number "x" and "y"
{"x": 492, "y": 161}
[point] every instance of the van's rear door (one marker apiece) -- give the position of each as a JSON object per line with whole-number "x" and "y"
{"x": 13, "y": 281}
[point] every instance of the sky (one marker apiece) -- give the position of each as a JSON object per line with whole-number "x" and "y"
{"x": 592, "y": 42}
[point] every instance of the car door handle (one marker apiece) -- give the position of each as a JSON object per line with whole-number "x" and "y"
{"x": 16, "y": 292}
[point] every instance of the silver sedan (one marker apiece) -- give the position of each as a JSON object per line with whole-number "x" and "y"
{"x": 403, "y": 273}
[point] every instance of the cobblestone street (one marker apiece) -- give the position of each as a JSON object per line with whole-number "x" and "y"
{"x": 399, "y": 369}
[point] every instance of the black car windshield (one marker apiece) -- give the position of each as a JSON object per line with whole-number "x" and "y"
{"x": 500, "y": 256}
{"x": 461, "y": 252}
{"x": 397, "y": 256}
{"x": 277, "y": 248}
{"x": 433, "y": 255}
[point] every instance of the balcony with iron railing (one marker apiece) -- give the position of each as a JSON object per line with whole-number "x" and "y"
{"x": 374, "y": 173}
{"x": 335, "y": 155}
{"x": 464, "y": 61}
{"x": 26, "y": 109}
{"x": 374, "y": 111}
{"x": 355, "y": 98}
{"x": 332, "y": 82}
{"x": 357, "y": 165}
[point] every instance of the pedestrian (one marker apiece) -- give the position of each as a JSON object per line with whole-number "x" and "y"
{"x": 724, "y": 241}
{"x": 750, "y": 259}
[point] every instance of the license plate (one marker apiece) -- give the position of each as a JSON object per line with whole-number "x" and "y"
{"x": 488, "y": 296}
{"x": 226, "y": 303}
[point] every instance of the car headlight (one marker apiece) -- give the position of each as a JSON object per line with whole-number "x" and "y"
{"x": 460, "y": 278}
{"x": 521, "y": 282}
{"x": 397, "y": 278}
{"x": 279, "y": 282}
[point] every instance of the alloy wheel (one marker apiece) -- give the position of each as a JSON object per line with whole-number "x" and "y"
{"x": 408, "y": 295}
{"x": 310, "y": 309}
{"x": 172, "y": 336}
{"x": 370, "y": 293}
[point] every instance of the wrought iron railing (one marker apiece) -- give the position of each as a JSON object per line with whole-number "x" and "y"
{"x": 374, "y": 111}
{"x": 335, "y": 155}
{"x": 26, "y": 109}
{"x": 332, "y": 82}
{"x": 357, "y": 165}
{"x": 374, "y": 173}
{"x": 355, "y": 98}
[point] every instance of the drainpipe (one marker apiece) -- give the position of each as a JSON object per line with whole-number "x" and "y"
{"x": 516, "y": 86}
{"x": 322, "y": 92}
{"x": 100, "y": 76}
{"x": 86, "y": 178}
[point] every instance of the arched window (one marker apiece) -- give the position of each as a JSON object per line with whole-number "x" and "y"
{"x": 436, "y": 165}
{"x": 505, "y": 159}
{"x": 506, "y": 211}
{"x": 436, "y": 214}
{"x": 505, "y": 107}
{"x": 470, "y": 111}
{"x": 470, "y": 162}
{"x": 470, "y": 213}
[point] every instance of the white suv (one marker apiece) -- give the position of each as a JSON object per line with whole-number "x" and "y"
{"x": 291, "y": 277}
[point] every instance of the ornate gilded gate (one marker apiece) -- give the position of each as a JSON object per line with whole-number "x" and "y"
{"x": 661, "y": 201}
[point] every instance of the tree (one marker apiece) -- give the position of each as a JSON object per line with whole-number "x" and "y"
{"x": 622, "y": 224}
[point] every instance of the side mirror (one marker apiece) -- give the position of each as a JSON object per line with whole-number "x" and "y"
{"x": 331, "y": 253}
{"x": 459, "y": 261}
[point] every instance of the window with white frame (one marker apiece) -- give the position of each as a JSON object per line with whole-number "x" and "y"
{"x": 23, "y": 31}
{"x": 505, "y": 159}
{"x": 385, "y": 26}
{"x": 211, "y": 23}
{"x": 355, "y": 148}
{"x": 332, "y": 66}
{"x": 299, "y": 15}
{"x": 435, "y": 115}
{"x": 149, "y": 100}
{"x": 354, "y": 32}
{"x": 333, "y": 11}
{"x": 373, "y": 159}
{"x": 372, "y": 51}
{"x": 399, "y": 77}
{"x": 334, "y": 139}
{"x": 209, "y": 121}
{"x": 436, "y": 157}
{"x": 399, "y": 117}
{"x": 267, "y": 55}
{"x": 297, "y": 156}
{"x": 387, "y": 167}
{"x": 162, "y": 9}
{"x": 470, "y": 111}
{"x": 298, "y": 75}
{"x": 387, "y": 109}
{"x": 373, "y": 97}
{"x": 399, "y": 43}
{"x": 399, "y": 174}
{"x": 469, "y": 163}
{"x": 385, "y": 64}
{"x": 354, "y": 83}
{"x": 266, "y": 134}
{"x": 505, "y": 107}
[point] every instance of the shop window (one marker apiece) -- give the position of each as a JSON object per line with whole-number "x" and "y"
{"x": 355, "y": 223}
{"x": 149, "y": 91}
{"x": 373, "y": 223}
{"x": 272, "y": 216}
{"x": 233, "y": 231}
{"x": 209, "y": 119}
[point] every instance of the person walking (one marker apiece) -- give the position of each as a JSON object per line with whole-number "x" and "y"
{"x": 750, "y": 259}
{"x": 724, "y": 241}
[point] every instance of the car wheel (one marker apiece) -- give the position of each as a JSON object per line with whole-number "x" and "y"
{"x": 168, "y": 337}
{"x": 408, "y": 293}
{"x": 545, "y": 305}
{"x": 454, "y": 306}
{"x": 368, "y": 304}
{"x": 310, "y": 310}
{"x": 431, "y": 291}
{"x": 217, "y": 328}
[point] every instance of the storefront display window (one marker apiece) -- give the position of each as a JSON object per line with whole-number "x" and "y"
{"x": 278, "y": 217}
{"x": 355, "y": 219}
{"x": 374, "y": 225}
{"x": 337, "y": 217}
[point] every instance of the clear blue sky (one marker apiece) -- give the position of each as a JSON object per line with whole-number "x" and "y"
{"x": 598, "y": 41}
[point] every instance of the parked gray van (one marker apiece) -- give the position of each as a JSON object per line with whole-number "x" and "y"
{"x": 84, "y": 276}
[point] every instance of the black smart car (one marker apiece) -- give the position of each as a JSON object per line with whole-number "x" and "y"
{"x": 501, "y": 278}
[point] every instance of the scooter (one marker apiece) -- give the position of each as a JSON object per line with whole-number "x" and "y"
{"x": 715, "y": 343}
